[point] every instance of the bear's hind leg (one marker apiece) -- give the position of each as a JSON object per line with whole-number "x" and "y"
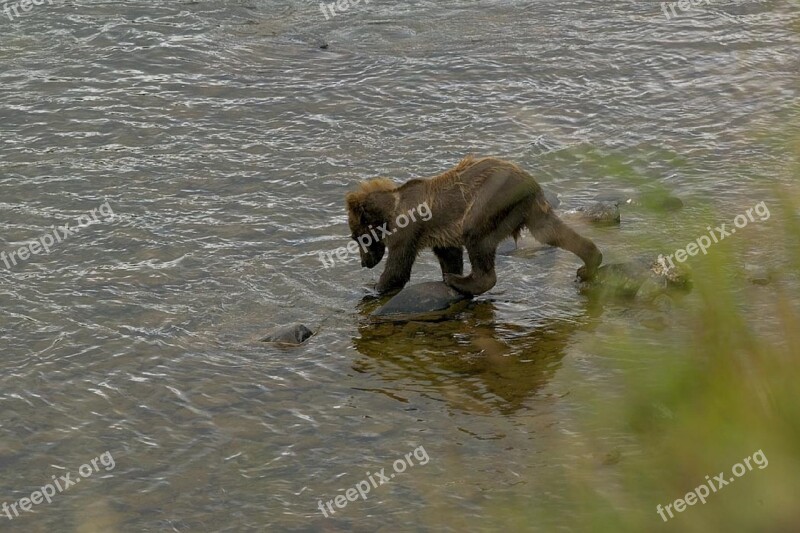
{"x": 481, "y": 238}
{"x": 549, "y": 229}
{"x": 451, "y": 259}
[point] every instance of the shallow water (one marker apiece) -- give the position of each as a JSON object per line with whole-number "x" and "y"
{"x": 224, "y": 135}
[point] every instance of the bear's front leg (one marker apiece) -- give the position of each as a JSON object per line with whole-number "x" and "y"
{"x": 398, "y": 269}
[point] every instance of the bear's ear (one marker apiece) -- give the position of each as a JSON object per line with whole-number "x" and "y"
{"x": 377, "y": 207}
{"x": 373, "y": 201}
{"x": 355, "y": 204}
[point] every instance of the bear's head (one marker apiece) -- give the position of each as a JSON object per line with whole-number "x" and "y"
{"x": 369, "y": 208}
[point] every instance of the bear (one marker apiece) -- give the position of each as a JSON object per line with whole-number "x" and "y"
{"x": 474, "y": 205}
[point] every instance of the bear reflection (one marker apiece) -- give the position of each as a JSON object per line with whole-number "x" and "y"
{"x": 471, "y": 361}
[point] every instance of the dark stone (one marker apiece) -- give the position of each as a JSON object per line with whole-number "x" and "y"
{"x": 758, "y": 275}
{"x": 659, "y": 201}
{"x": 291, "y": 335}
{"x": 506, "y": 247}
{"x": 654, "y": 200}
{"x": 424, "y": 301}
{"x": 606, "y": 213}
{"x": 621, "y": 279}
{"x": 671, "y": 203}
{"x": 674, "y": 277}
{"x": 552, "y": 199}
{"x": 641, "y": 278}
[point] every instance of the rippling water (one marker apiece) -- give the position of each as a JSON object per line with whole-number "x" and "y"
{"x": 224, "y": 135}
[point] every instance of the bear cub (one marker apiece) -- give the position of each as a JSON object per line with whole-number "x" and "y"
{"x": 474, "y": 205}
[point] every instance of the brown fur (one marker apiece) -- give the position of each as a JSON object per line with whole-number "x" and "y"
{"x": 475, "y": 204}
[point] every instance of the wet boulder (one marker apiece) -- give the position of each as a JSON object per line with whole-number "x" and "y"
{"x": 552, "y": 198}
{"x": 669, "y": 203}
{"x": 621, "y": 279}
{"x": 758, "y": 275}
{"x": 656, "y": 200}
{"x": 433, "y": 300}
{"x": 642, "y": 278}
{"x": 602, "y": 213}
{"x": 672, "y": 277}
{"x": 293, "y": 335}
{"x": 659, "y": 201}
{"x": 506, "y": 247}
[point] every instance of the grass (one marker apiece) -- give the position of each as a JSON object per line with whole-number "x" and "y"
{"x": 720, "y": 384}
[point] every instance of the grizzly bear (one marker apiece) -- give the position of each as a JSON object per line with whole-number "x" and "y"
{"x": 475, "y": 204}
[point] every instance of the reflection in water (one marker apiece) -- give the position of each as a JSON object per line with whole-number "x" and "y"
{"x": 473, "y": 362}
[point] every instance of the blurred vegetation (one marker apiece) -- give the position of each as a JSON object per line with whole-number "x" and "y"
{"x": 696, "y": 399}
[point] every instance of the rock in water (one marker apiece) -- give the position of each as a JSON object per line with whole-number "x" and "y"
{"x": 506, "y": 247}
{"x": 622, "y": 279}
{"x": 758, "y": 275}
{"x": 293, "y": 335}
{"x": 552, "y": 199}
{"x": 660, "y": 201}
{"x": 600, "y": 213}
{"x": 639, "y": 278}
{"x": 424, "y": 301}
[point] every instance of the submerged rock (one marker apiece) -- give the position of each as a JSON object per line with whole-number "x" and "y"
{"x": 506, "y": 247}
{"x": 622, "y": 280}
{"x": 758, "y": 275}
{"x": 552, "y": 199}
{"x": 653, "y": 200}
{"x": 670, "y": 203}
{"x": 606, "y": 213}
{"x": 642, "y": 279}
{"x": 675, "y": 276}
{"x": 293, "y": 335}
{"x": 424, "y": 301}
{"x": 659, "y": 201}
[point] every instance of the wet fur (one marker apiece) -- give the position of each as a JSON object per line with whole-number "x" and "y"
{"x": 475, "y": 204}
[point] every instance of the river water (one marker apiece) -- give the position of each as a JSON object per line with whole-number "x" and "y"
{"x": 223, "y": 136}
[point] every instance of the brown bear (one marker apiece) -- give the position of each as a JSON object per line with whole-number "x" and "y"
{"x": 475, "y": 204}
